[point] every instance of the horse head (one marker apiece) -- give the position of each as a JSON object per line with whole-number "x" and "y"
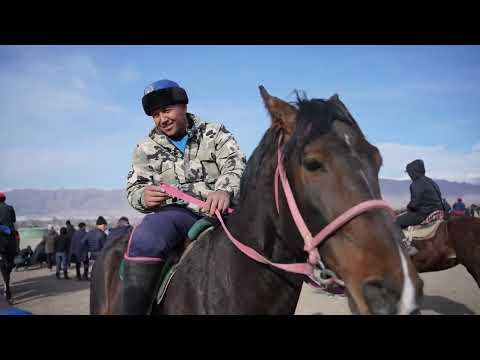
{"x": 332, "y": 167}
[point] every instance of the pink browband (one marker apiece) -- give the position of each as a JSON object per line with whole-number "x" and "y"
{"x": 311, "y": 243}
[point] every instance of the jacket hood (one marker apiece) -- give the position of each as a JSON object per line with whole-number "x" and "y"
{"x": 416, "y": 169}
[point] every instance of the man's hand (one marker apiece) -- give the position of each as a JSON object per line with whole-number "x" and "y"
{"x": 153, "y": 196}
{"x": 218, "y": 200}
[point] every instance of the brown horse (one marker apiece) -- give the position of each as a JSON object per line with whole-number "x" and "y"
{"x": 331, "y": 168}
{"x": 457, "y": 241}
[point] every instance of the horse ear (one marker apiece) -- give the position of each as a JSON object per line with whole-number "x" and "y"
{"x": 283, "y": 114}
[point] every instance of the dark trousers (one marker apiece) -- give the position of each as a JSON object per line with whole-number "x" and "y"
{"x": 61, "y": 259}
{"x": 159, "y": 233}
{"x": 85, "y": 268}
{"x": 410, "y": 218}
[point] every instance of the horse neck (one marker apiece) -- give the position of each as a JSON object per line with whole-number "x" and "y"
{"x": 257, "y": 224}
{"x": 219, "y": 279}
{"x": 249, "y": 286}
{"x": 272, "y": 234}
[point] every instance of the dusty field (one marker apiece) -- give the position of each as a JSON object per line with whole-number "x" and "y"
{"x": 37, "y": 290}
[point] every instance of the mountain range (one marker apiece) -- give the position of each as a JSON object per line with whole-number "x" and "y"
{"x": 89, "y": 203}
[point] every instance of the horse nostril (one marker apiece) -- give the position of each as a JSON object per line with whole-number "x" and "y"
{"x": 381, "y": 299}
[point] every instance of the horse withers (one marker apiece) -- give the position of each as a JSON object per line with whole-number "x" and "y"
{"x": 331, "y": 168}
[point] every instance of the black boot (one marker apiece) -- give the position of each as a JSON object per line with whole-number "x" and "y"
{"x": 65, "y": 274}
{"x": 85, "y": 276}
{"x": 77, "y": 269}
{"x": 140, "y": 284}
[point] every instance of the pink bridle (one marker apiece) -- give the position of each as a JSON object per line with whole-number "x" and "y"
{"x": 311, "y": 243}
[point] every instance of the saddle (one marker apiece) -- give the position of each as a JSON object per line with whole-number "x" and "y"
{"x": 426, "y": 229}
{"x": 199, "y": 231}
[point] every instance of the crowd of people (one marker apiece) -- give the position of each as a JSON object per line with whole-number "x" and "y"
{"x": 459, "y": 208}
{"x": 78, "y": 246}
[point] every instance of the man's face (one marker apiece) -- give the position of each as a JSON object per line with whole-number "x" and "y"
{"x": 171, "y": 119}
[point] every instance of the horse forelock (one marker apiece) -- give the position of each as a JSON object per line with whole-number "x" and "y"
{"x": 315, "y": 118}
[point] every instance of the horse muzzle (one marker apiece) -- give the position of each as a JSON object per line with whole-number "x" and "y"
{"x": 383, "y": 299}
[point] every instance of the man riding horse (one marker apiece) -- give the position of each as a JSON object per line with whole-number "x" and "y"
{"x": 200, "y": 158}
{"x": 7, "y": 220}
{"x": 459, "y": 208}
{"x": 425, "y": 198}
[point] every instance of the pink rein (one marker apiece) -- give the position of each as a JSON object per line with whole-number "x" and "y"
{"x": 311, "y": 243}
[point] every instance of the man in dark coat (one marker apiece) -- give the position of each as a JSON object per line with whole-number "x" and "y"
{"x": 70, "y": 229}
{"x": 96, "y": 238}
{"x": 8, "y": 219}
{"x": 79, "y": 251}
{"x": 425, "y": 198}
{"x": 123, "y": 227}
{"x": 7, "y": 213}
{"x": 446, "y": 206}
{"x": 459, "y": 208}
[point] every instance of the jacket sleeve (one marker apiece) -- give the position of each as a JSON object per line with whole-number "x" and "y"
{"x": 139, "y": 176}
{"x": 86, "y": 242}
{"x": 416, "y": 192}
{"x": 103, "y": 240}
{"x": 14, "y": 217}
{"x": 231, "y": 162}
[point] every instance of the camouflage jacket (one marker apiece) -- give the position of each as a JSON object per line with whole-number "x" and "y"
{"x": 212, "y": 161}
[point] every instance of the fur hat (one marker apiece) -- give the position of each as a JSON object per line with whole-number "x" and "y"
{"x": 101, "y": 221}
{"x": 162, "y": 93}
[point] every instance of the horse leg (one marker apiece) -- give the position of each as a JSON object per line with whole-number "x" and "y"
{"x": 467, "y": 247}
{"x": 351, "y": 304}
{"x": 5, "y": 269}
{"x": 473, "y": 267}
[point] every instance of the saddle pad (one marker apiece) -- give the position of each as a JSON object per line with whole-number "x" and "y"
{"x": 422, "y": 232}
{"x": 167, "y": 276}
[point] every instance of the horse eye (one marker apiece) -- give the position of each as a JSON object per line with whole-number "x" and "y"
{"x": 313, "y": 165}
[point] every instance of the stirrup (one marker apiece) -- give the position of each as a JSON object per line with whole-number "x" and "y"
{"x": 409, "y": 248}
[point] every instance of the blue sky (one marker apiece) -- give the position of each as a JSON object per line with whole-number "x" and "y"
{"x": 71, "y": 116}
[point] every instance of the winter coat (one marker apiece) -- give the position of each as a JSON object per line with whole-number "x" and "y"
{"x": 212, "y": 162}
{"x": 424, "y": 192}
{"x": 49, "y": 239}
{"x": 78, "y": 246}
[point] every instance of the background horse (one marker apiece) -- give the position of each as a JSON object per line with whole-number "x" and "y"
{"x": 457, "y": 241}
{"x": 7, "y": 254}
{"x": 331, "y": 168}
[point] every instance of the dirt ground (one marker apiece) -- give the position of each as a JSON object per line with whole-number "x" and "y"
{"x": 452, "y": 292}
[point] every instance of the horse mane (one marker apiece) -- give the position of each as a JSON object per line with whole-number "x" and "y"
{"x": 315, "y": 118}
{"x": 255, "y": 163}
